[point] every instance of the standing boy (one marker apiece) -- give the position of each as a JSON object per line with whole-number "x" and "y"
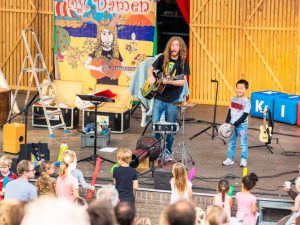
{"x": 125, "y": 177}
{"x": 238, "y": 117}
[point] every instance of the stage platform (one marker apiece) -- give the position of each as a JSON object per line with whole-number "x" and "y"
{"x": 208, "y": 154}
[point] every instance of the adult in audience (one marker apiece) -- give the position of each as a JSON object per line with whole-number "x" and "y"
{"x": 54, "y": 211}
{"x": 143, "y": 221}
{"x": 181, "y": 213}
{"x": 21, "y": 189}
{"x": 108, "y": 193}
{"x": 6, "y": 208}
{"x": 101, "y": 213}
{"x": 125, "y": 213}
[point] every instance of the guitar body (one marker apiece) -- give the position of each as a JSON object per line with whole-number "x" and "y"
{"x": 266, "y": 131}
{"x": 150, "y": 91}
{"x": 107, "y": 68}
{"x": 263, "y": 136}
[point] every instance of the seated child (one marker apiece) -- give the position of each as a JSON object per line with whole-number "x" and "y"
{"x": 5, "y": 174}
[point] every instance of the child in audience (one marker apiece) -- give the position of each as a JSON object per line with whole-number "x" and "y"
{"x": 180, "y": 185}
{"x": 5, "y": 174}
{"x": 125, "y": 177}
{"x": 246, "y": 202}
{"x": 79, "y": 176}
{"x": 296, "y": 208}
{"x": 222, "y": 198}
{"x": 66, "y": 184}
{"x": 216, "y": 215}
{"x": 45, "y": 184}
{"x": 143, "y": 221}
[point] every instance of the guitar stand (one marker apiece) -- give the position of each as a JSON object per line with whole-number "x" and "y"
{"x": 137, "y": 105}
{"x": 269, "y": 147}
{"x": 213, "y": 124}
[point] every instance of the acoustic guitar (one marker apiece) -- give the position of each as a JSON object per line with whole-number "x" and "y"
{"x": 265, "y": 135}
{"x": 149, "y": 91}
{"x": 110, "y": 68}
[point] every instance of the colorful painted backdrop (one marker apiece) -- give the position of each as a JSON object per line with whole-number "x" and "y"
{"x": 102, "y": 41}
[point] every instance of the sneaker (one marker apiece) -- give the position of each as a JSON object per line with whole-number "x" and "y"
{"x": 228, "y": 162}
{"x": 243, "y": 163}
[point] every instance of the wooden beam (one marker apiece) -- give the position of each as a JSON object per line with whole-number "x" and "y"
{"x": 25, "y": 11}
{"x": 263, "y": 60}
{"x": 200, "y": 10}
{"x": 211, "y": 59}
{"x": 253, "y": 12}
{"x": 298, "y": 51}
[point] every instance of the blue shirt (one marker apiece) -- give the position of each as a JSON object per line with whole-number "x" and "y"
{"x": 21, "y": 190}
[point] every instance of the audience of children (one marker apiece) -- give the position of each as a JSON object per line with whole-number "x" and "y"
{"x": 180, "y": 185}
{"x": 5, "y": 174}
{"x": 66, "y": 184}
{"x": 222, "y": 198}
{"x": 246, "y": 202}
{"x": 46, "y": 184}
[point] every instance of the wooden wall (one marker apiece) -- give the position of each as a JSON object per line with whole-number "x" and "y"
{"x": 15, "y": 15}
{"x": 258, "y": 40}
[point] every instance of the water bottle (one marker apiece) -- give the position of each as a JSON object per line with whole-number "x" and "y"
{"x": 63, "y": 147}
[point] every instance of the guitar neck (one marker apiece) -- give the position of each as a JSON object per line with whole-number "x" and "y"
{"x": 119, "y": 68}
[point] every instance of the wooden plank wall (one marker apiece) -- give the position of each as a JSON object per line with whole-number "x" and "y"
{"x": 257, "y": 40}
{"x": 15, "y": 15}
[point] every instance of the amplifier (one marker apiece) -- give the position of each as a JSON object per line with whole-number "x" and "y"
{"x": 162, "y": 179}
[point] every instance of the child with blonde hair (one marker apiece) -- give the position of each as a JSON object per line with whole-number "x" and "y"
{"x": 180, "y": 185}
{"x": 296, "y": 208}
{"x": 5, "y": 174}
{"x": 143, "y": 221}
{"x": 66, "y": 184}
{"x": 45, "y": 184}
{"x": 216, "y": 215}
{"x": 222, "y": 198}
{"x": 125, "y": 177}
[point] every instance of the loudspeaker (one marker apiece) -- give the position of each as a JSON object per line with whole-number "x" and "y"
{"x": 162, "y": 179}
{"x": 13, "y": 136}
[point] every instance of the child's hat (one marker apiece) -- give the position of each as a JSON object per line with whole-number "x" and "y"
{"x": 226, "y": 131}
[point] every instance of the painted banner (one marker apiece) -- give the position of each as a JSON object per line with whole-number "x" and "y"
{"x": 102, "y": 41}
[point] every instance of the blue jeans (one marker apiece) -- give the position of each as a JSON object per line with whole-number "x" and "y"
{"x": 241, "y": 131}
{"x": 159, "y": 107}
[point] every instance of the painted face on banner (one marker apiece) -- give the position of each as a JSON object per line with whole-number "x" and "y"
{"x": 107, "y": 38}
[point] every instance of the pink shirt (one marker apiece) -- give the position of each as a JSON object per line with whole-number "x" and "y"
{"x": 244, "y": 203}
{"x": 65, "y": 187}
{"x": 225, "y": 205}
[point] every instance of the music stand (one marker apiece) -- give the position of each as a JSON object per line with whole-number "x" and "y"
{"x": 95, "y": 100}
{"x": 213, "y": 124}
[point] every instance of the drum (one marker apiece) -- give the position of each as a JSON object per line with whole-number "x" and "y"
{"x": 165, "y": 128}
{"x": 4, "y": 105}
{"x": 146, "y": 146}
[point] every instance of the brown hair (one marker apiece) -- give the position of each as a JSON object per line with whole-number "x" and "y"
{"x": 23, "y": 166}
{"x": 68, "y": 158}
{"x": 182, "y": 52}
{"x": 124, "y": 155}
{"x": 223, "y": 188}
{"x": 45, "y": 166}
{"x": 5, "y": 160}
{"x": 180, "y": 177}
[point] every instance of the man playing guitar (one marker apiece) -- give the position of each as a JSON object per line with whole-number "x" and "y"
{"x": 172, "y": 62}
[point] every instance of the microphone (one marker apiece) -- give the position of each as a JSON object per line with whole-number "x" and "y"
{"x": 214, "y": 81}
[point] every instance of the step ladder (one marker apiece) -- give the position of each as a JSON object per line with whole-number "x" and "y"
{"x": 38, "y": 67}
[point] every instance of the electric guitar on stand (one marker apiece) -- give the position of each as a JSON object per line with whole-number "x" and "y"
{"x": 266, "y": 130}
{"x": 149, "y": 91}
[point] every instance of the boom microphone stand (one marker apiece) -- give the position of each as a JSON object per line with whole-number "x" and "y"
{"x": 213, "y": 124}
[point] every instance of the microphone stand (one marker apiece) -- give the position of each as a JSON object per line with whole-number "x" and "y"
{"x": 213, "y": 124}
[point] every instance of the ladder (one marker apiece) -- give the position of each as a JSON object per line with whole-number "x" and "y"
{"x": 35, "y": 70}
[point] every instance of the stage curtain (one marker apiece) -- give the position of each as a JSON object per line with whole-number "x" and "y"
{"x": 184, "y": 6}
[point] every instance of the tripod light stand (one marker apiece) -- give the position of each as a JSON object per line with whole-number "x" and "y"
{"x": 213, "y": 124}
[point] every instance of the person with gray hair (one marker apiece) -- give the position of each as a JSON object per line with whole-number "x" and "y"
{"x": 109, "y": 194}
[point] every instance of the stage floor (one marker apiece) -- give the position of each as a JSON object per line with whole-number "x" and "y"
{"x": 208, "y": 154}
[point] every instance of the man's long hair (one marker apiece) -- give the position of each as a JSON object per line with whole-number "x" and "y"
{"x": 182, "y": 52}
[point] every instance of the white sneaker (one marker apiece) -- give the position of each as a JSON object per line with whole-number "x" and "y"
{"x": 228, "y": 162}
{"x": 243, "y": 163}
